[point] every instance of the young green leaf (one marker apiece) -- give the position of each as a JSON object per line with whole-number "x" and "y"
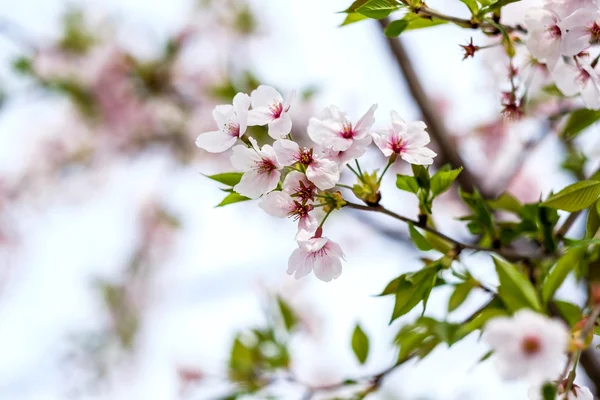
{"x": 442, "y": 181}
{"x": 413, "y": 289}
{"x": 570, "y": 312}
{"x": 441, "y": 245}
{"x": 407, "y": 183}
{"x": 575, "y": 197}
{"x": 360, "y": 344}
{"x": 473, "y": 6}
{"x": 231, "y": 198}
{"x": 549, "y": 391}
{"x": 421, "y": 174}
{"x": 418, "y": 239}
{"x": 515, "y": 290}
{"x": 593, "y": 221}
{"x": 395, "y": 28}
{"x": 228, "y": 178}
{"x": 289, "y": 317}
{"x": 352, "y": 18}
{"x": 415, "y": 21}
{"x": 378, "y": 9}
{"x": 559, "y": 272}
{"x": 506, "y": 202}
{"x": 460, "y": 294}
{"x": 578, "y": 121}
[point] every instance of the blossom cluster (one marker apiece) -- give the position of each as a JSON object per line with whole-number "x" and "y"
{"x": 560, "y": 34}
{"x": 533, "y": 347}
{"x": 292, "y": 180}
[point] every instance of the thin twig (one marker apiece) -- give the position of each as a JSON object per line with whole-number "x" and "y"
{"x": 435, "y": 126}
{"x": 508, "y": 254}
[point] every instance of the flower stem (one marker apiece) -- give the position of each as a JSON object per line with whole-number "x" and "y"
{"x": 344, "y": 186}
{"x": 389, "y": 164}
{"x": 356, "y": 173}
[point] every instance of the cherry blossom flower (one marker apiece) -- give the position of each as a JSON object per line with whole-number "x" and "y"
{"x": 297, "y": 185}
{"x": 582, "y": 79}
{"x": 576, "y": 393}
{"x": 321, "y": 171}
{"x": 281, "y": 204}
{"x": 269, "y": 108}
{"x": 357, "y": 150}
{"x": 261, "y": 169}
{"x": 564, "y": 8}
{"x": 544, "y": 39}
{"x": 581, "y": 29}
{"x": 318, "y": 254}
{"x": 332, "y": 129}
{"x": 406, "y": 139}
{"x": 232, "y": 121}
{"x": 527, "y": 345}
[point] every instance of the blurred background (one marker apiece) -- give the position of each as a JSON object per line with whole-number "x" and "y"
{"x": 120, "y": 279}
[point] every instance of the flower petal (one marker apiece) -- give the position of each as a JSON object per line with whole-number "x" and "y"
{"x": 281, "y": 126}
{"x": 323, "y": 173}
{"x": 254, "y": 184}
{"x": 362, "y": 127}
{"x": 244, "y": 158}
{"x": 418, "y": 155}
{"x": 241, "y": 104}
{"x": 277, "y": 204}
{"x": 287, "y": 151}
{"x": 215, "y": 142}
{"x": 264, "y": 97}
{"x": 299, "y": 263}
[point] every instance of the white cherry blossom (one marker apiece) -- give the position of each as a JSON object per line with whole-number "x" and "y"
{"x": 356, "y": 150}
{"x": 261, "y": 169}
{"x": 281, "y": 204}
{"x": 527, "y": 345}
{"x": 269, "y": 108}
{"x": 297, "y": 185}
{"x": 232, "y": 121}
{"x": 544, "y": 38}
{"x": 333, "y": 130}
{"x": 321, "y": 171}
{"x": 321, "y": 255}
{"x": 406, "y": 139}
{"x": 578, "y": 79}
{"x": 581, "y": 29}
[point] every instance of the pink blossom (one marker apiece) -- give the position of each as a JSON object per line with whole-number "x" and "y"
{"x": 406, "y": 139}
{"x": 582, "y": 29}
{"x": 332, "y": 130}
{"x": 321, "y": 171}
{"x": 269, "y": 108}
{"x": 579, "y": 79}
{"x": 544, "y": 39}
{"x": 261, "y": 169}
{"x": 297, "y": 185}
{"x": 281, "y": 204}
{"x": 321, "y": 255}
{"x": 232, "y": 121}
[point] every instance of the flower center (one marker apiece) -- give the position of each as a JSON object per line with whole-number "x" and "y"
{"x": 347, "y": 132}
{"x": 306, "y": 156}
{"x": 554, "y": 32}
{"x": 264, "y": 166}
{"x": 233, "y": 129}
{"x": 300, "y": 210}
{"x": 594, "y": 31}
{"x": 583, "y": 76}
{"x": 397, "y": 145}
{"x": 531, "y": 345}
{"x": 276, "y": 110}
{"x": 305, "y": 192}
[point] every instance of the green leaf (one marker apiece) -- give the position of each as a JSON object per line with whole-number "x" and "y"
{"x": 289, "y": 317}
{"x": 413, "y": 288}
{"x": 418, "y": 239}
{"x": 231, "y": 198}
{"x": 441, "y": 245}
{"x": 506, "y": 202}
{"x": 593, "y": 221}
{"x": 515, "y": 290}
{"x": 241, "y": 361}
{"x": 578, "y": 121}
{"x": 352, "y": 18}
{"x": 575, "y": 197}
{"x": 460, "y": 294}
{"x": 479, "y": 321}
{"x": 395, "y": 28}
{"x": 228, "y": 178}
{"x": 407, "y": 183}
{"x": 417, "y": 22}
{"x": 378, "y": 9}
{"x": 569, "y": 311}
{"x": 473, "y": 6}
{"x": 354, "y": 6}
{"x": 559, "y": 272}
{"x": 549, "y": 391}
{"x": 421, "y": 174}
{"x": 442, "y": 181}
{"x": 360, "y": 344}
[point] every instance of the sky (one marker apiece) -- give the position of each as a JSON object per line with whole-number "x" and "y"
{"x": 229, "y": 258}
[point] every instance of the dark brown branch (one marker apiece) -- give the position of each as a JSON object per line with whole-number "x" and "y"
{"x": 435, "y": 126}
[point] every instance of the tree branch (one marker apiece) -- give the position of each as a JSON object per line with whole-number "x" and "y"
{"x": 435, "y": 126}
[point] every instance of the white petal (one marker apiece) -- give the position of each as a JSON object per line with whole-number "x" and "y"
{"x": 383, "y": 142}
{"x": 327, "y": 267}
{"x": 289, "y": 100}
{"x": 361, "y": 129}
{"x": 575, "y": 41}
{"x": 277, "y": 204}
{"x": 291, "y": 183}
{"x": 565, "y": 77}
{"x": 326, "y": 133}
{"x": 254, "y": 184}
{"x": 281, "y": 126}
{"x": 307, "y": 227}
{"x": 241, "y": 103}
{"x": 333, "y": 113}
{"x": 287, "y": 151}
{"x": 416, "y": 136}
{"x": 215, "y": 142}
{"x": 244, "y": 158}
{"x": 264, "y": 97}
{"x": 299, "y": 263}
{"x": 268, "y": 153}
{"x": 418, "y": 155}
{"x": 323, "y": 173}
{"x": 590, "y": 92}
{"x": 259, "y": 117}
{"x": 223, "y": 114}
